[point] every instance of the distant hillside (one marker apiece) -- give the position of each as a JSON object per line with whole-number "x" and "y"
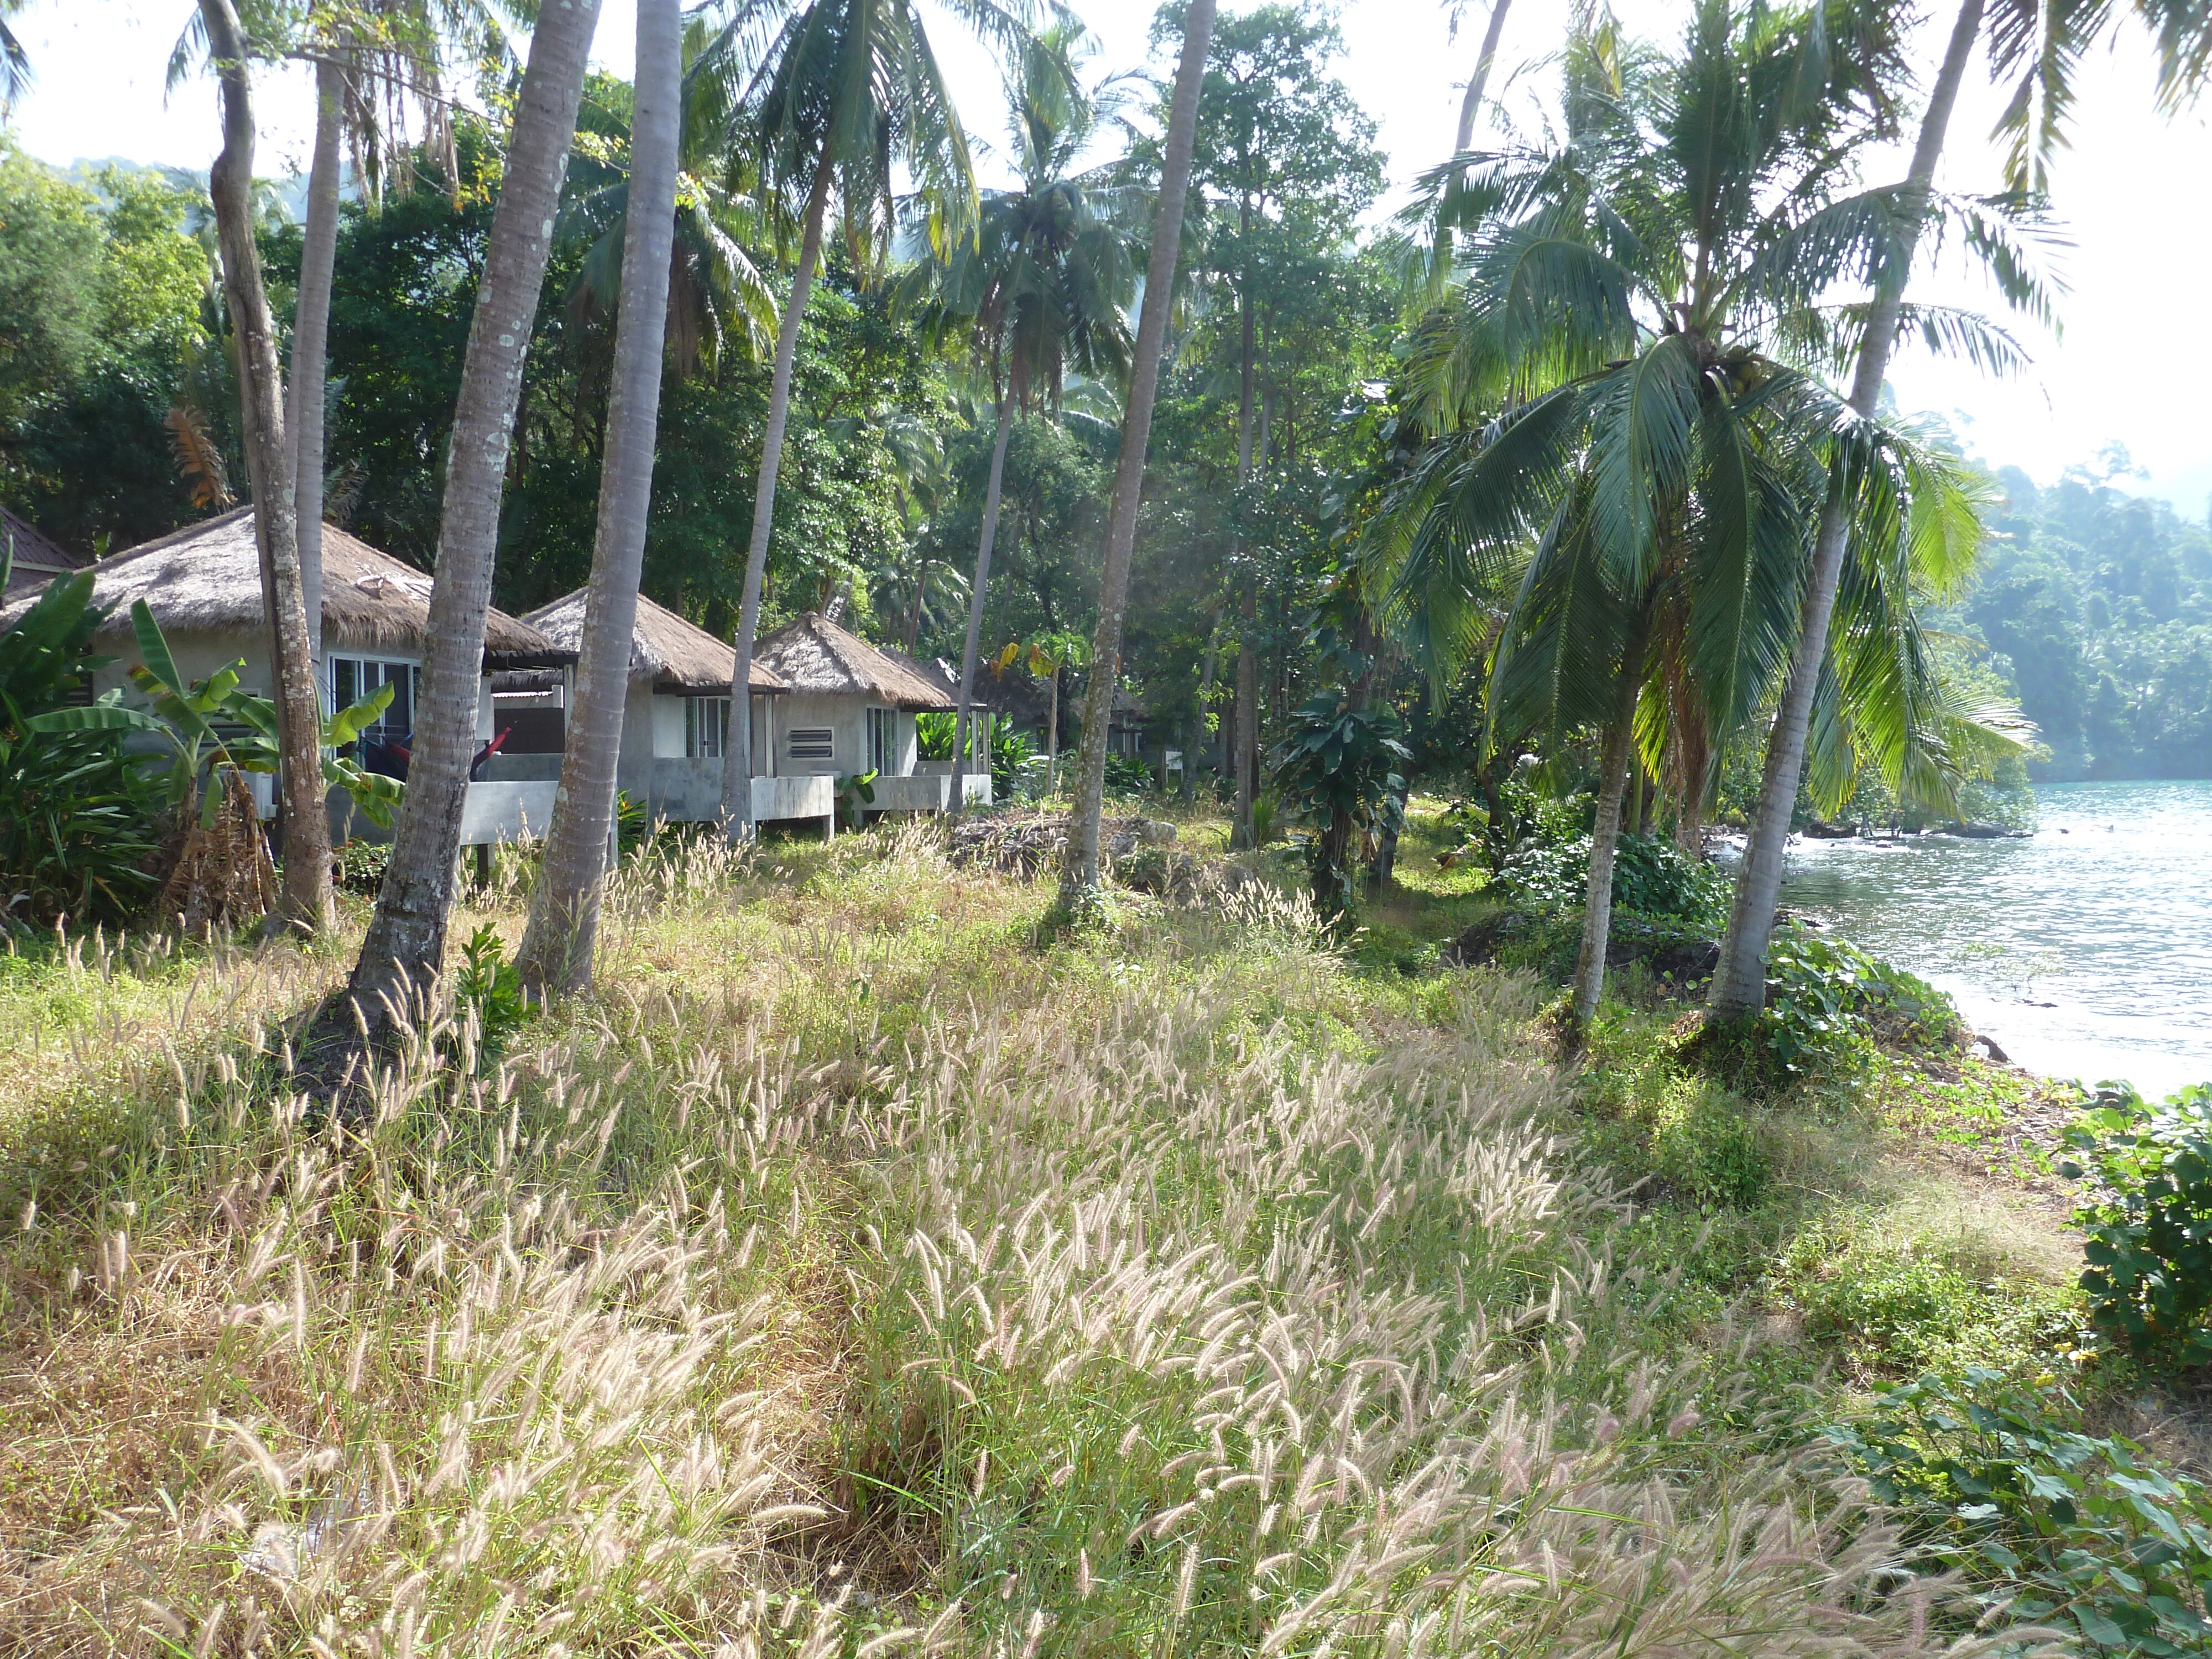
{"x": 291, "y": 191}
{"x": 2097, "y": 604}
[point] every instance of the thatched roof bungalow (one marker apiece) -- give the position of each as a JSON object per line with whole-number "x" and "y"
{"x": 851, "y": 708}
{"x": 203, "y": 583}
{"x": 37, "y": 558}
{"x": 676, "y": 717}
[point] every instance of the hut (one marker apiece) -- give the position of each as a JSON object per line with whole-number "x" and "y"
{"x": 676, "y": 719}
{"x": 203, "y": 584}
{"x": 851, "y": 708}
{"x": 35, "y": 558}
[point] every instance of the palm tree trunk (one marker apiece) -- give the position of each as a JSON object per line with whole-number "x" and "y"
{"x": 1052, "y": 735}
{"x": 556, "y": 957}
{"x": 1472, "y": 102}
{"x": 306, "y": 903}
{"x": 738, "y": 757}
{"x": 405, "y": 946}
{"x": 1081, "y": 870}
{"x": 1739, "y": 989}
{"x": 1247, "y": 661}
{"x": 960, "y": 735}
{"x": 1615, "y": 752}
{"x": 311, "y": 333}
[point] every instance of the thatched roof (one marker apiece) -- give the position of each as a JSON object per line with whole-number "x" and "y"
{"x": 206, "y": 578}
{"x": 815, "y": 654}
{"x": 673, "y": 653}
{"x": 39, "y": 558}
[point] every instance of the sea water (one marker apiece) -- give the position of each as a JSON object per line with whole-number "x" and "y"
{"x": 2085, "y": 950}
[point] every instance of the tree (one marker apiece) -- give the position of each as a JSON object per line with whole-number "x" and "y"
{"x": 557, "y": 948}
{"x": 1633, "y": 323}
{"x": 717, "y": 297}
{"x": 845, "y": 88}
{"x": 14, "y": 62}
{"x": 1041, "y": 291}
{"x": 1079, "y": 873}
{"x": 404, "y": 948}
{"x": 1472, "y": 102}
{"x": 1287, "y": 159}
{"x": 2040, "y": 42}
{"x": 307, "y": 903}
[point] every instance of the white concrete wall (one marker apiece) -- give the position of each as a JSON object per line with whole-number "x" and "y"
{"x": 198, "y": 654}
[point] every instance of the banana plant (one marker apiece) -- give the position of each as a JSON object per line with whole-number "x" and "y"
{"x": 184, "y": 715}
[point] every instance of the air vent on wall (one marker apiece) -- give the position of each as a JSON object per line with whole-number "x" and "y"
{"x": 812, "y": 743}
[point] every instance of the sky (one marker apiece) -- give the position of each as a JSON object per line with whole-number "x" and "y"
{"x": 2127, "y": 193}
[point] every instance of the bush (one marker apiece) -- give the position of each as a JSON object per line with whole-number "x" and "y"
{"x": 2066, "y": 1529}
{"x": 1011, "y": 755}
{"x": 490, "y": 986}
{"x": 1824, "y": 994}
{"x": 78, "y": 815}
{"x": 2149, "y": 1222}
{"x": 361, "y": 865}
{"x": 77, "y": 831}
{"x": 1651, "y": 875}
{"x": 1128, "y": 775}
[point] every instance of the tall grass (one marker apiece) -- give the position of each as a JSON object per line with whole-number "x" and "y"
{"x": 853, "y": 1273}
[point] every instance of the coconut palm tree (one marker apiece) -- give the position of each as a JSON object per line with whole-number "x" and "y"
{"x": 2036, "y": 44}
{"x": 1079, "y": 873}
{"x": 1641, "y": 313}
{"x": 405, "y": 944}
{"x": 1044, "y": 287}
{"x": 373, "y": 60}
{"x": 564, "y": 906}
{"x": 14, "y": 62}
{"x": 717, "y": 297}
{"x": 307, "y": 900}
{"x": 843, "y": 92}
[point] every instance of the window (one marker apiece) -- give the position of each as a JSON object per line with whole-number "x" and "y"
{"x": 353, "y": 678}
{"x": 812, "y": 742}
{"x": 706, "y": 727}
{"x": 882, "y": 741}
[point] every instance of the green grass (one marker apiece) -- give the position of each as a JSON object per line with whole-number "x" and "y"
{"x": 852, "y": 1262}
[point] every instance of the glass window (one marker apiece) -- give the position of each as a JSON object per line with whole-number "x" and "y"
{"x": 882, "y": 741}
{"x": 353, "y": 678}
{"x": 706, "y": 727}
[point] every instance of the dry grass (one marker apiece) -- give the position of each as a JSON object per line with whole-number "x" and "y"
{"x": 852, "y": 1274}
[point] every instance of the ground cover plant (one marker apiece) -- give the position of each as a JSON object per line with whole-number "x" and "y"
{"x": 856, "y": 1266}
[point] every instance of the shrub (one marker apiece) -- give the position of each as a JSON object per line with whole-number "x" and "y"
{"x": 2148, "y": 1221}
{"x": 1128, "y": 775}
{"x": 489, "y": 987}
{"x": 1651, "y": 875}
{"x": 361, "y": 865}
{"x": 1823, "y": 995}
{"x": 77, "y": 814}
{"x": 2066, "y": 1529}
{"x": 1012, "y": 755}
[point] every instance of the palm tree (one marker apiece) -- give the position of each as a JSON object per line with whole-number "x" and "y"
{"x": 2039, "y": 42}
{"x": 14, "y": 62}
{"x": 1484, "y": 61}
{"x": 844, "y": 90}
{"x": 1079, "y": 874}
{"x": 564, "y": 906}
{"x": 1635, "y": 312}
{"x": 717, "y": 297}
{"x": 1042, "y": 288}
{"x": 307, "y": 899}
{"x": 405, "y": 944}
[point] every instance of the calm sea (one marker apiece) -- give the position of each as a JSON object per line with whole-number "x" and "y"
{"x": 2085, "y": 950}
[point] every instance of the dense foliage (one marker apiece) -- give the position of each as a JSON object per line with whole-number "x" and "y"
{"x": 2081, "y": 1532}
{"x": 2097, "y": 605}
{"x": 2148, "y": 1221}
